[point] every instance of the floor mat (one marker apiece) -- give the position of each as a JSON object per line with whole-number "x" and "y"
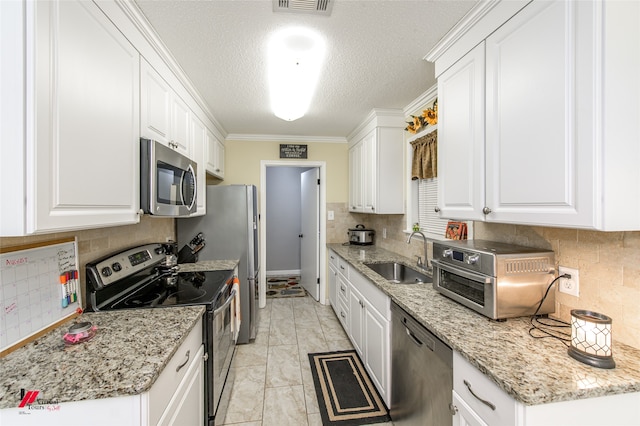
{"x": 288, "y": 286}
{"x": 346, "y": 396}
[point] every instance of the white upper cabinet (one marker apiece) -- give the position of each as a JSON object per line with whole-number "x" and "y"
{"x": 215, "y": 156}
{"x": 376, "y": 164}
{"x": 164, "y": 116}
{"x": 461, "y": 158}
{"x": 199, "y": 133}
{"x": 539, "y": 122}
{"x": 81, "y": 121}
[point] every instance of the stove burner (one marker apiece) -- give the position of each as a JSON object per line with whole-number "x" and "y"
{"x": 144, "y": 299}
{"x": 185, "y": 296}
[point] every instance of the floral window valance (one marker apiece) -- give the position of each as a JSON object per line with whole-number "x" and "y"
{"x": 425, "y": 157}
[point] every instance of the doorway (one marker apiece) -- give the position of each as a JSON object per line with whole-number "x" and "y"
{"x": 311, "y": 260}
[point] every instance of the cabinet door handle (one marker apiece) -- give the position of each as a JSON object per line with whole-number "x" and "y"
{"x": 436, "y": 209}
{"x": 178, "y": 368}
{"x": 343, "y": 315}
{"x": 360, "y": 303}
{"x": 486, "y": 210}
{"x": 343, "y": 289}
{"x": 453, "y": 409}
{"x": 484, "y": 401}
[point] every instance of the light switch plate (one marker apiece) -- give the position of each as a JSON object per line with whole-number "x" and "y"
{"x": 330, "y": 215}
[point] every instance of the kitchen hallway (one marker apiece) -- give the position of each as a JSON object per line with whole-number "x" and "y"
{"x": 273, "y": 383}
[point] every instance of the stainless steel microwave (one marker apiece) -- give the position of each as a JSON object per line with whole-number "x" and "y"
{"x": 168, "y": 181}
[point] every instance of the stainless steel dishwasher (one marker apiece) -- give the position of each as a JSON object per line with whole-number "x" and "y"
{"x": 421, "y": 374}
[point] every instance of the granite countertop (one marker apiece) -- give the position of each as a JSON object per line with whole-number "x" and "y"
{"x": 532, "y": 371}
{"x": 208, "y": 265}
{"x": 126, "y": 356}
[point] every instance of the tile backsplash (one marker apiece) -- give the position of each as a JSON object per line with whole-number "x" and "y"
{"x": 96, "y": 243}
{"x": 608, "y": 262}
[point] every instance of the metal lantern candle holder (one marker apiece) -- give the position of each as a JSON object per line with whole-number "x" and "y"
{"x": 591, "y": 339}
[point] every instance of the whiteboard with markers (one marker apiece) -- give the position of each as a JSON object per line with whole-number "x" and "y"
{"x": 39, "y": 287}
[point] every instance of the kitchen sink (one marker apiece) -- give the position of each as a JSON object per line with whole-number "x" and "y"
{"x": 398, "y": 273}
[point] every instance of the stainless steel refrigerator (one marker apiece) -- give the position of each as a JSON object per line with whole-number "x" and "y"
{"x": 230, "y": 229}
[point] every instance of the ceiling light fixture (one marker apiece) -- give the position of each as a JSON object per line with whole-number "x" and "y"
{"x": 294, "y": 60}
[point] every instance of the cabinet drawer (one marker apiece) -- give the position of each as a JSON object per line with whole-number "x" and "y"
{"x": 333, "y": 258}
{"x": 343, "y": 289}
{"x": 483, "y": 388}
{"x": 343, "y": 267}
{"x": 343, "y": 313}
{"x": 164, "y": 388}
{"x": 374, "y": 296}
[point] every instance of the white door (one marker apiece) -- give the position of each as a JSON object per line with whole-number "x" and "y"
{"x": 310, "y": 231}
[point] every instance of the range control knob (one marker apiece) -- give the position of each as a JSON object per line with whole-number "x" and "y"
{"x": 159, "y": 250}
{"x": 473, "y": 259}
{"x": 447, "y": 253}
{"x": 106, "y": 271}
{"x": 117, "y": 267}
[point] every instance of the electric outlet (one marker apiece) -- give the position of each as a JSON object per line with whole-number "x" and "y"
{"x": 330, "y": 215}
{"x": 384, "y": 232}
{"x": 569, "y": 285}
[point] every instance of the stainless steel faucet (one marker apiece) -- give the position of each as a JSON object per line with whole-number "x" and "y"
{"x": 420, "y": 264}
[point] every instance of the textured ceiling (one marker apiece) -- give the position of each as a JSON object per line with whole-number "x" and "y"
{"x": 374, "y": 57}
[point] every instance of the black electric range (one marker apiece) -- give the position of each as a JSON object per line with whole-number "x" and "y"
{"x": 146, "y": 277}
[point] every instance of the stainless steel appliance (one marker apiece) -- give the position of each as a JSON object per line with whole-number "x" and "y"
{"x": 360, "y": 235}
{"x": 168, "y": 181}
{"x": 230, "y": 229}
{"x": 421, "y": 374}
{"x": 147, "y": 277}
{"x": 497, "y": 280}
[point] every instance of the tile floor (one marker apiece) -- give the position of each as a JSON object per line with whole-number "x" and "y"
{"x": 273, "y": 383}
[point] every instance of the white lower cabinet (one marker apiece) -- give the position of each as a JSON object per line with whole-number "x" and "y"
{"x": 365, "y": 313}
{"x": 333, "y": 279}
{"x": 478, "y": 401}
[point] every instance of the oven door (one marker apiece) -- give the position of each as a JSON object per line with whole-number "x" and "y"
{"x": 223, "y": 351}
{"x": 473, "y": 290}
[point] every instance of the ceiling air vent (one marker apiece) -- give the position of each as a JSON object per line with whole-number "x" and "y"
{"x": 316, "y": 7}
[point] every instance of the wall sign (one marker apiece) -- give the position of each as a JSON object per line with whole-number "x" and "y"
{"x": 293, "y": 151}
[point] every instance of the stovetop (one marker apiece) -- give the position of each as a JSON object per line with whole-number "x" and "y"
{"x": 141, "y": 277}
{"x": 187, "y": 288}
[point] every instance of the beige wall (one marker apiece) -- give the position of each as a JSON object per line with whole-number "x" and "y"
{"x": 242, "y": 164}
{"x": 95, "y": 243}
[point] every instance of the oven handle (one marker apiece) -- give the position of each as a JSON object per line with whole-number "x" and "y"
{"x": 465, "y": 274}
{"x": 216, "y": 312}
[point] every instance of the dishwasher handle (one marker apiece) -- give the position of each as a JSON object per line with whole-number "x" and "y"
{"x": 428, "y": 341}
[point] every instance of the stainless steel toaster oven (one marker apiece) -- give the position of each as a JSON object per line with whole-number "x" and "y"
{"x": 495, "y": 279}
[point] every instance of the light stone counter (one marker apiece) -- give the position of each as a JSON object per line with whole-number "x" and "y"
{"x": 125, "y": 357}
{"x": 532, "y": 371}
{"x": 208, "y": 265}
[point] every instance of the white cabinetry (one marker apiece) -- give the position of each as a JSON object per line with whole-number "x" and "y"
{"x": 376, "y": 164}
{"x": 478, "y": 401}
{"x": 365, "y": 313}
{"x": 531, "y": 125}
{"x": 70, "y": 150}
{"x": 333, "y": 280}
{"x": 165, "y": 117}
{"x": 215, "y": 156}
{"x": 199, "y": 139}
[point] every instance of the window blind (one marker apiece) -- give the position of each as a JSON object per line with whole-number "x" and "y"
{"x": 429, "y": 221}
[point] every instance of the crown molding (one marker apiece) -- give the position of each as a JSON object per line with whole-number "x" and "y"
{"x": 422, "y": 101}
{"x": 137, "y": 18}
{"x": 283, "y": 138}
{"x": 461, "y": 28}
